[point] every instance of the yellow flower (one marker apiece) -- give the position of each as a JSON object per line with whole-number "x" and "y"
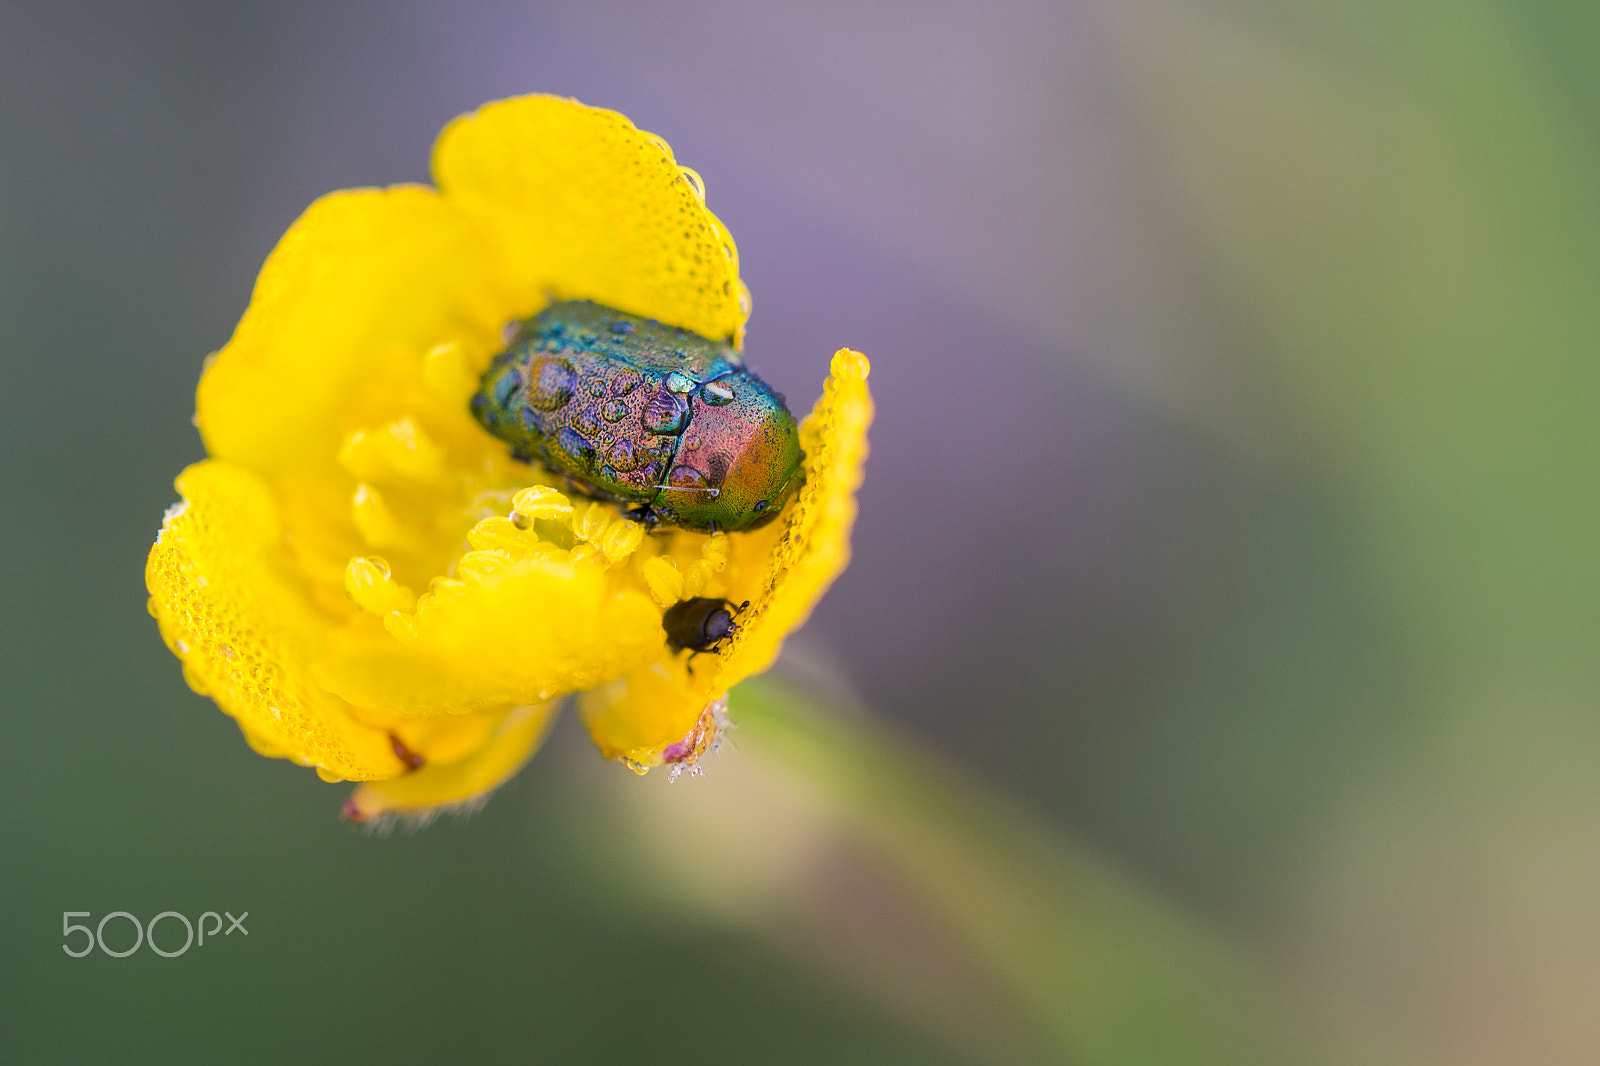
{"x": 361, "y": 575}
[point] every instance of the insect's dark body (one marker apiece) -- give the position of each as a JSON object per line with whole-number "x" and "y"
{"x": 701, "y": 624}
{"x": 628, "y": 409}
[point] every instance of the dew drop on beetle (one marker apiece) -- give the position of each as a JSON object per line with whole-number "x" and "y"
{"x": 606, "y": 400}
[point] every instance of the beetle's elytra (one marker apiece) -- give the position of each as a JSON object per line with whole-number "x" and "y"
{"x": 628, "y": 409}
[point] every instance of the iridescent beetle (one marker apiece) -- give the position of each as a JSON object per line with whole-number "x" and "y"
{"x": 628, "y": 409}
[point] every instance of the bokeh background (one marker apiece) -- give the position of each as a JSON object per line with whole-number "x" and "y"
{"x": 1230, "y": 542}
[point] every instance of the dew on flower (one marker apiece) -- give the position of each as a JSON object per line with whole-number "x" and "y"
{"x": 369, "y": 584}
{"x": 510, "y": 535}
{"x": 349, "y": 470}
{"x": 706, "y": 736}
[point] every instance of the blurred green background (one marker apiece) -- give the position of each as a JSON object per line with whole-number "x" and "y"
{"x": 1216, "y": 677}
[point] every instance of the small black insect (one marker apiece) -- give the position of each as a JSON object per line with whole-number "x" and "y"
{"x": 700, "y": 624}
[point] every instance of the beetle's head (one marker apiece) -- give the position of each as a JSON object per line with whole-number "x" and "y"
{"x": 739, "y": 460}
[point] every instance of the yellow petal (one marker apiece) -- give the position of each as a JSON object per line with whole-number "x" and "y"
{"x": 585, "y": 206}
{"x": 448, "y": 738}
{"x": 639, "y": 715}
{"x": 358, "y": 291}
{"x": 514, "y": 740}
{"x": 513, "y": 631}
{"x": 221, "y": 588}
{"x": 810, "y": 545}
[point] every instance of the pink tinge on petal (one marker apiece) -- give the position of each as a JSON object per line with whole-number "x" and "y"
{"x": 685, "y": 754}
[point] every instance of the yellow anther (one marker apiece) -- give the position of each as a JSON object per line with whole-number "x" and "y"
{"x": 411, "y": 452}
{"x": 662, "y": 578}
{"x": 549, "y": 553}
{"x": 539, "y": 501}
{"x": 593, "y": 520}
{"x": 477, "y": 567}
{"x": 446, "y": 588}
{"x": 584, "y": 553}
{"x": 402, "y": 626}
{"x": 696, "y": 580}
{"x": 448, "y": 374}
{"x": 715, "y": 551}
{"x": 373, "y": 589}
{"x": 441, "y": 592}
{"x": 400, "y": 449}
{"x": 620, "y": 539}
{"x": 362, "y": 456}
{"x": 502, "y": 534}
{"x": 373, "y": 518}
